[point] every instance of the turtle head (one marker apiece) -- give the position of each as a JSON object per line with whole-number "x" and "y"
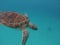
{"x": 28, "y": 23}
{"x": 32, "y": 26}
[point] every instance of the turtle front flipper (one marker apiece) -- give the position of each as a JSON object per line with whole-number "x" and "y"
{"x": 25, "y": 35}
{"x": 32, "y": 26}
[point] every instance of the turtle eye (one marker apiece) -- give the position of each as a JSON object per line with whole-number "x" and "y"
{"x": 25, "y": 22}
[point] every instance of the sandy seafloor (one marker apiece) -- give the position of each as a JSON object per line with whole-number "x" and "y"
{"x": 44, "y": 13}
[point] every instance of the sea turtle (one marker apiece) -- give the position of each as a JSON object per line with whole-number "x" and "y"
{"x": 16, "y": 20}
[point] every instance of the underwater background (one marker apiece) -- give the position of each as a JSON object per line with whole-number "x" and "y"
{"x": 43, "y": 13}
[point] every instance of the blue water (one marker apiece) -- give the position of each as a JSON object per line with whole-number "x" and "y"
{"x": 44, "y": 13}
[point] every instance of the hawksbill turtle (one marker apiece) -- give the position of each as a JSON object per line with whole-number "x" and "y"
{"x": 17, "y": 20}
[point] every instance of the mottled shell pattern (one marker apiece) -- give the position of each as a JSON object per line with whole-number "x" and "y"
{"x": 13, "y": 19}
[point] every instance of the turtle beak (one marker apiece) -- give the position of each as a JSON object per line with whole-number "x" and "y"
{"x": 33, "y": 26}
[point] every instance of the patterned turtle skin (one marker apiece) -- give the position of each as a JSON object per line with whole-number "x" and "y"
{"x": 16, "y": 20}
